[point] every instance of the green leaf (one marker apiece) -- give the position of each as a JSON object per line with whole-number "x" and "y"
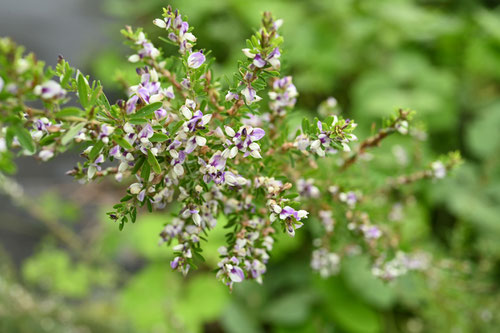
{"x": 158, "y": 137}
{"x": 123, "y": 143}
{"x": 104, "y": 100}
{"x": 83, "y": 90}
{"x": 71, "y": 133}
{"x": 48, "y": 139}
{"x": 153, "y": 162}
{"x": 147, "y": 110}
{"x": 146, "y": 171}
{"x": 305, "y": 125}
{"x": 24, "y": 138}
{"x": 138, "y": 164}
{"x": 176, "y": 126}
{"x": 96, "y": 150}
{"x": 70, "y": 112}
{"x": 138, "y": 121}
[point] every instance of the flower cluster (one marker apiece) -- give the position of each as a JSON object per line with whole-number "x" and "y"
{"x": 183, "y": 142}
{"x": 283, "y": 96}
{"x": 248, "y": 256}
{"x": 400, "y": 265}
{"x": 326, "y": 137}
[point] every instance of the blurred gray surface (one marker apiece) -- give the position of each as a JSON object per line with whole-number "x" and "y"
{"x": 76, "y": 29}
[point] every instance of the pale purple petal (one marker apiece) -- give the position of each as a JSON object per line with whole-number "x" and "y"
{"x": 196, "y": 59}
{"x": 258, "y": 61}
{"x": 257, "y": 134}
{"x": 236, "y": 274}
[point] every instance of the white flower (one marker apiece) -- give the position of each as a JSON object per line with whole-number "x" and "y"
{"x": 196, "y": 219}
{"x": 229, "y": 131}
{"x": 201, "y": 141}
{"x": 160, "y": 23}
{"x": 206, "y": 119}
{"x": 248, "y": 54}
{"x": 46, "y": 155}
{"x": 134, "y": 58}
{"x": 255, "y": 153}
{"x": 135, "y": 188}
{"x": 186, "y": 112}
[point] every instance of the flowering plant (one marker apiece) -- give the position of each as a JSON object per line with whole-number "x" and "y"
{"x": 186, "y": 141}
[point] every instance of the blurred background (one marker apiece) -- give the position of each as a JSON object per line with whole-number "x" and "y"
{"x": 65, "y": 268}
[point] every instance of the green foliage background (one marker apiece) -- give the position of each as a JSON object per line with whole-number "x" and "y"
{"x": 439, "y": 57}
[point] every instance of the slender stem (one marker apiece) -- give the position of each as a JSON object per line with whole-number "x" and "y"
{"x": 32, "y": 111}
{"x": 375, "y": 140}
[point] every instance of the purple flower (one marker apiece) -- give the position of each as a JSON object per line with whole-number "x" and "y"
{"x": 214, "y": 169}
{"x": 49, "y": 90}
{"x": 160, "y": 114}
{"x": 196, "y": 59}
{"x": 290, "y": 212}
{"x": 258, "y": 61}
{"x": 283, "y": 96}
{"x": 115, "y": 151}
{"x": 257, "y": 133}
{"x": 131, "y": 103}
{"x": 148, "y": 50}
{"x": 198, "y": 120}
{"x": 307, "y": 189}
{"x": 236, "y": 274}
{"x": 245, "y": 139}
{"x": 175, "y": 263}
{"x": 184, "y": 28}
{"x": 371, "y": 232}
{"x": 172, "y": 37}
{"x": 273, "y": 58}
{"x": 250, "y": 95}
{"x": 231, "y": 95}
{"x": 146, "y": 132}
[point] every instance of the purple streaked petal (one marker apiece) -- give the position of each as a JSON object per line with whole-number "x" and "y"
{"x": 257, "y": 134}
{"x": 196, "y": 59}
{"x": 144, "y": 94}
{"x": 146, "y": 132}
{"x": 274, "y": 53}
{"x": 175, "y": 263}
{"x": 236, "y": 274}
{"x": 320, "y": 126}
{"x": 258, "y": 61}
{"x": 131, "y": 104}
{"x": 99, "y": 159}
{"x": 160, "y": 114}
{"x": 115, "y": 151}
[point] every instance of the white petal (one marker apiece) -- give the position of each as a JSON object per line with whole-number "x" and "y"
{"x": 247, "y": 53}
{"x": 234, "y": 152}
{"x": 135, "y": 188}
{"x": 206, "y": 119}
{"x": 186, "y": 112}
{"x": 196, "y": 219}
{"x": 91, "y": 172}
{"x": 174, "y": 153}
{"x": 254, "y": 146}
{"x": 255, "y": 153}
{"x": 201, "y": 141}
{"x": 179, "y": 170}
{"x": 134, "y": 58}
{"x": 229, "y": 131}
{"x": 160, "y": 23}
{"x": 155, "y": 98}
